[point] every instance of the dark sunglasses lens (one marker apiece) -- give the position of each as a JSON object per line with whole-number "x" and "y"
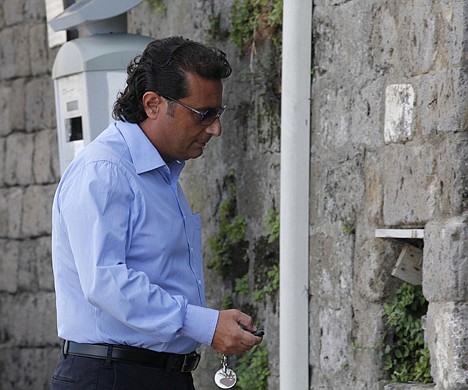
{"x": 210, "y": 116}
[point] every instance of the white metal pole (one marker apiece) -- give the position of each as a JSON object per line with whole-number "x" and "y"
{"x": 294, "y": 204}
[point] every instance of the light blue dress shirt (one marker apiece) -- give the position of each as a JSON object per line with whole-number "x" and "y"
{"x": 126, "y": 249}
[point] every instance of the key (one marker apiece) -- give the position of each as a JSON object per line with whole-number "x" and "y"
{"x": 225, "y": 378}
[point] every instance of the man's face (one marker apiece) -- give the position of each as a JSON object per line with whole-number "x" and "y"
{"x": 178, "y": 133}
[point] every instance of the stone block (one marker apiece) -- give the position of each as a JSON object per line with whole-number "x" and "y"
{"x": 27, "y": 267}
{"x": 45, "y": 154}
{"x": 2, "y": 161}
{"x": 35, "y": 10}
{"x": 5, "y": 108}
{"x": 38, "y": 51}
{"x": 445, "y": 264}
{"x": 411, "y": 189}
{"x": 373, "y": 193}
{"x": 329, "y": 257}
{"x": 37, "y": 210}
{"x": 20, "y": 311}
{"x": 335, "y": 326}
{"x": 429, "y": 41}
{"x": 19, "y": 152}
{"x": 2, "y": 18}
{"x": 338, "y": 188}
{"x": 9, "y": 250}
{"x": 10, "y": 212}
{"x": 441, "y": 102}
{"x": 41, "y": 104}
{"x": 28, "y": 368}
{"x": 365, "y": 344}
{"x": 18, "y": 105}
{"x": 13, "y": 11}
{"x": 375, "y": 259}
{"x": 420, "y": 181}
{"x": 45, "y": 277}
{"x": 35, "y": 265}
{"x": 447, "y": 335}
{"x": 14, "y": 52}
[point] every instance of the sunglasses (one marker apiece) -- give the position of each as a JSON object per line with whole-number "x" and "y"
{"x": 206, "y": 117}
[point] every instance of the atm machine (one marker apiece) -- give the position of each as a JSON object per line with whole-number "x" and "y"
{"x": 90, "y": 71}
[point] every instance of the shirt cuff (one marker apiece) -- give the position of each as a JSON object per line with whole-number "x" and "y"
{"x": 200, "y": 323}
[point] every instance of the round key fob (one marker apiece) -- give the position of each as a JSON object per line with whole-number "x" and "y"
{"x": 225, "y": 378}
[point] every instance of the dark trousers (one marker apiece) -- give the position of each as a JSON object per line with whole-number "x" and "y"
{"x": 82, "y": 373}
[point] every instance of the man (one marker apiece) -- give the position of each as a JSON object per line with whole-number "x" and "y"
{"x": 126, "y": 248}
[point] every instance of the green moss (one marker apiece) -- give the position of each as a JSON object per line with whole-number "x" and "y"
{"x": 229, "y": 246}
{"x": 226, "y": 302}
{"x": 256, "y": 19}
{"x": 215, "y": 32}
{"x": 252, "y": 369}
{"x": 271, "y": 225}
{"x": 158, "y": 6}
{"x": 405, "y": 354}
{"x": 242, "y": 285}
{"x": 347, "y": 227}
{"x": 271, "y": 286}
{"x": 266, "y": 250}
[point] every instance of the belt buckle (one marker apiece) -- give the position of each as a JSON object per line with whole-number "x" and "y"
{"x": 190, "y": 362}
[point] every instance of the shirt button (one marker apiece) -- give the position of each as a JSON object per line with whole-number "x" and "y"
{"x": 191, "y": 249}
{"x": 199, "y": 282}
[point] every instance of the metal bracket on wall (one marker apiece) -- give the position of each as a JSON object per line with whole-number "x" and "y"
{"x": 409, "y": 264}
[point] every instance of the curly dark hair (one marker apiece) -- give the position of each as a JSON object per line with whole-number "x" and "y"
{"x": 162, "y": 68}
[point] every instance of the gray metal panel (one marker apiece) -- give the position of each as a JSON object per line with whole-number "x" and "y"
{"x": 85, "y": 11}
{"x": 98, "y": 52}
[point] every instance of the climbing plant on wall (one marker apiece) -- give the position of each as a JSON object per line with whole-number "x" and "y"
{"x": 256, "y": 19}
{"x": 405, "y": 354}
{"x": 230, "y": 259}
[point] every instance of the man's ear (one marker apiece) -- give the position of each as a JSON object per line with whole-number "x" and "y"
{"x": 151, "y": 104}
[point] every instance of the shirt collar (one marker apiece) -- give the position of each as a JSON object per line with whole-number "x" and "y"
{"x": 144, "y": 155}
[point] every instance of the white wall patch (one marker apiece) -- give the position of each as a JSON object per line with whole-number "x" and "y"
{"x": 399, "y": 107}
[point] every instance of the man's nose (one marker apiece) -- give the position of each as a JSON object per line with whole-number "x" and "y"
{"x": 215, "y": 128}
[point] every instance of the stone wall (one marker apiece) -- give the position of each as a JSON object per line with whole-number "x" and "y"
{"x": 28, "y": 176}
{"x": 246, "y": 155}
{"x": 388, "y": 150}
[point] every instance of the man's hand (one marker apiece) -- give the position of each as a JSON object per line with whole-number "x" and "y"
{"x": 230, "y": 338}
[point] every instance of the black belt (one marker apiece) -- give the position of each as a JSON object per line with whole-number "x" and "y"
{"x": 168, "y": 361}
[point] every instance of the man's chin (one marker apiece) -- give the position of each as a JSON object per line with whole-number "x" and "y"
{"x": 193, "y": 154}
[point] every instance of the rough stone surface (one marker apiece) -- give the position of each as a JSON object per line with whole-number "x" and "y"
{"x": 5, "y": 105}
{"x": 38, "y": 53}
{"x": 14, "y": 52}
{"x": 18, "y": 162}
{"x": 9, "y": 266}
{"x": 358, "y": 183}
{"x": 445, "y": 266}
{"x": 37, "y": 210}
{"x": 448, "y": 344}
{"x": 45, "y": 159}
{"x": 17, "y": 105}
{"x": 13, "y": 11}
{"x": 41, "y": 104}
{"x": 33, "y": 367}
{"x": 10, "y": 212}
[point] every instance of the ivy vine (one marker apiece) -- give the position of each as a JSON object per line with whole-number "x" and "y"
{"x": 405, "y": 354}
{"x": 254, "y": 19}
{"x": 253, "y": 369}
